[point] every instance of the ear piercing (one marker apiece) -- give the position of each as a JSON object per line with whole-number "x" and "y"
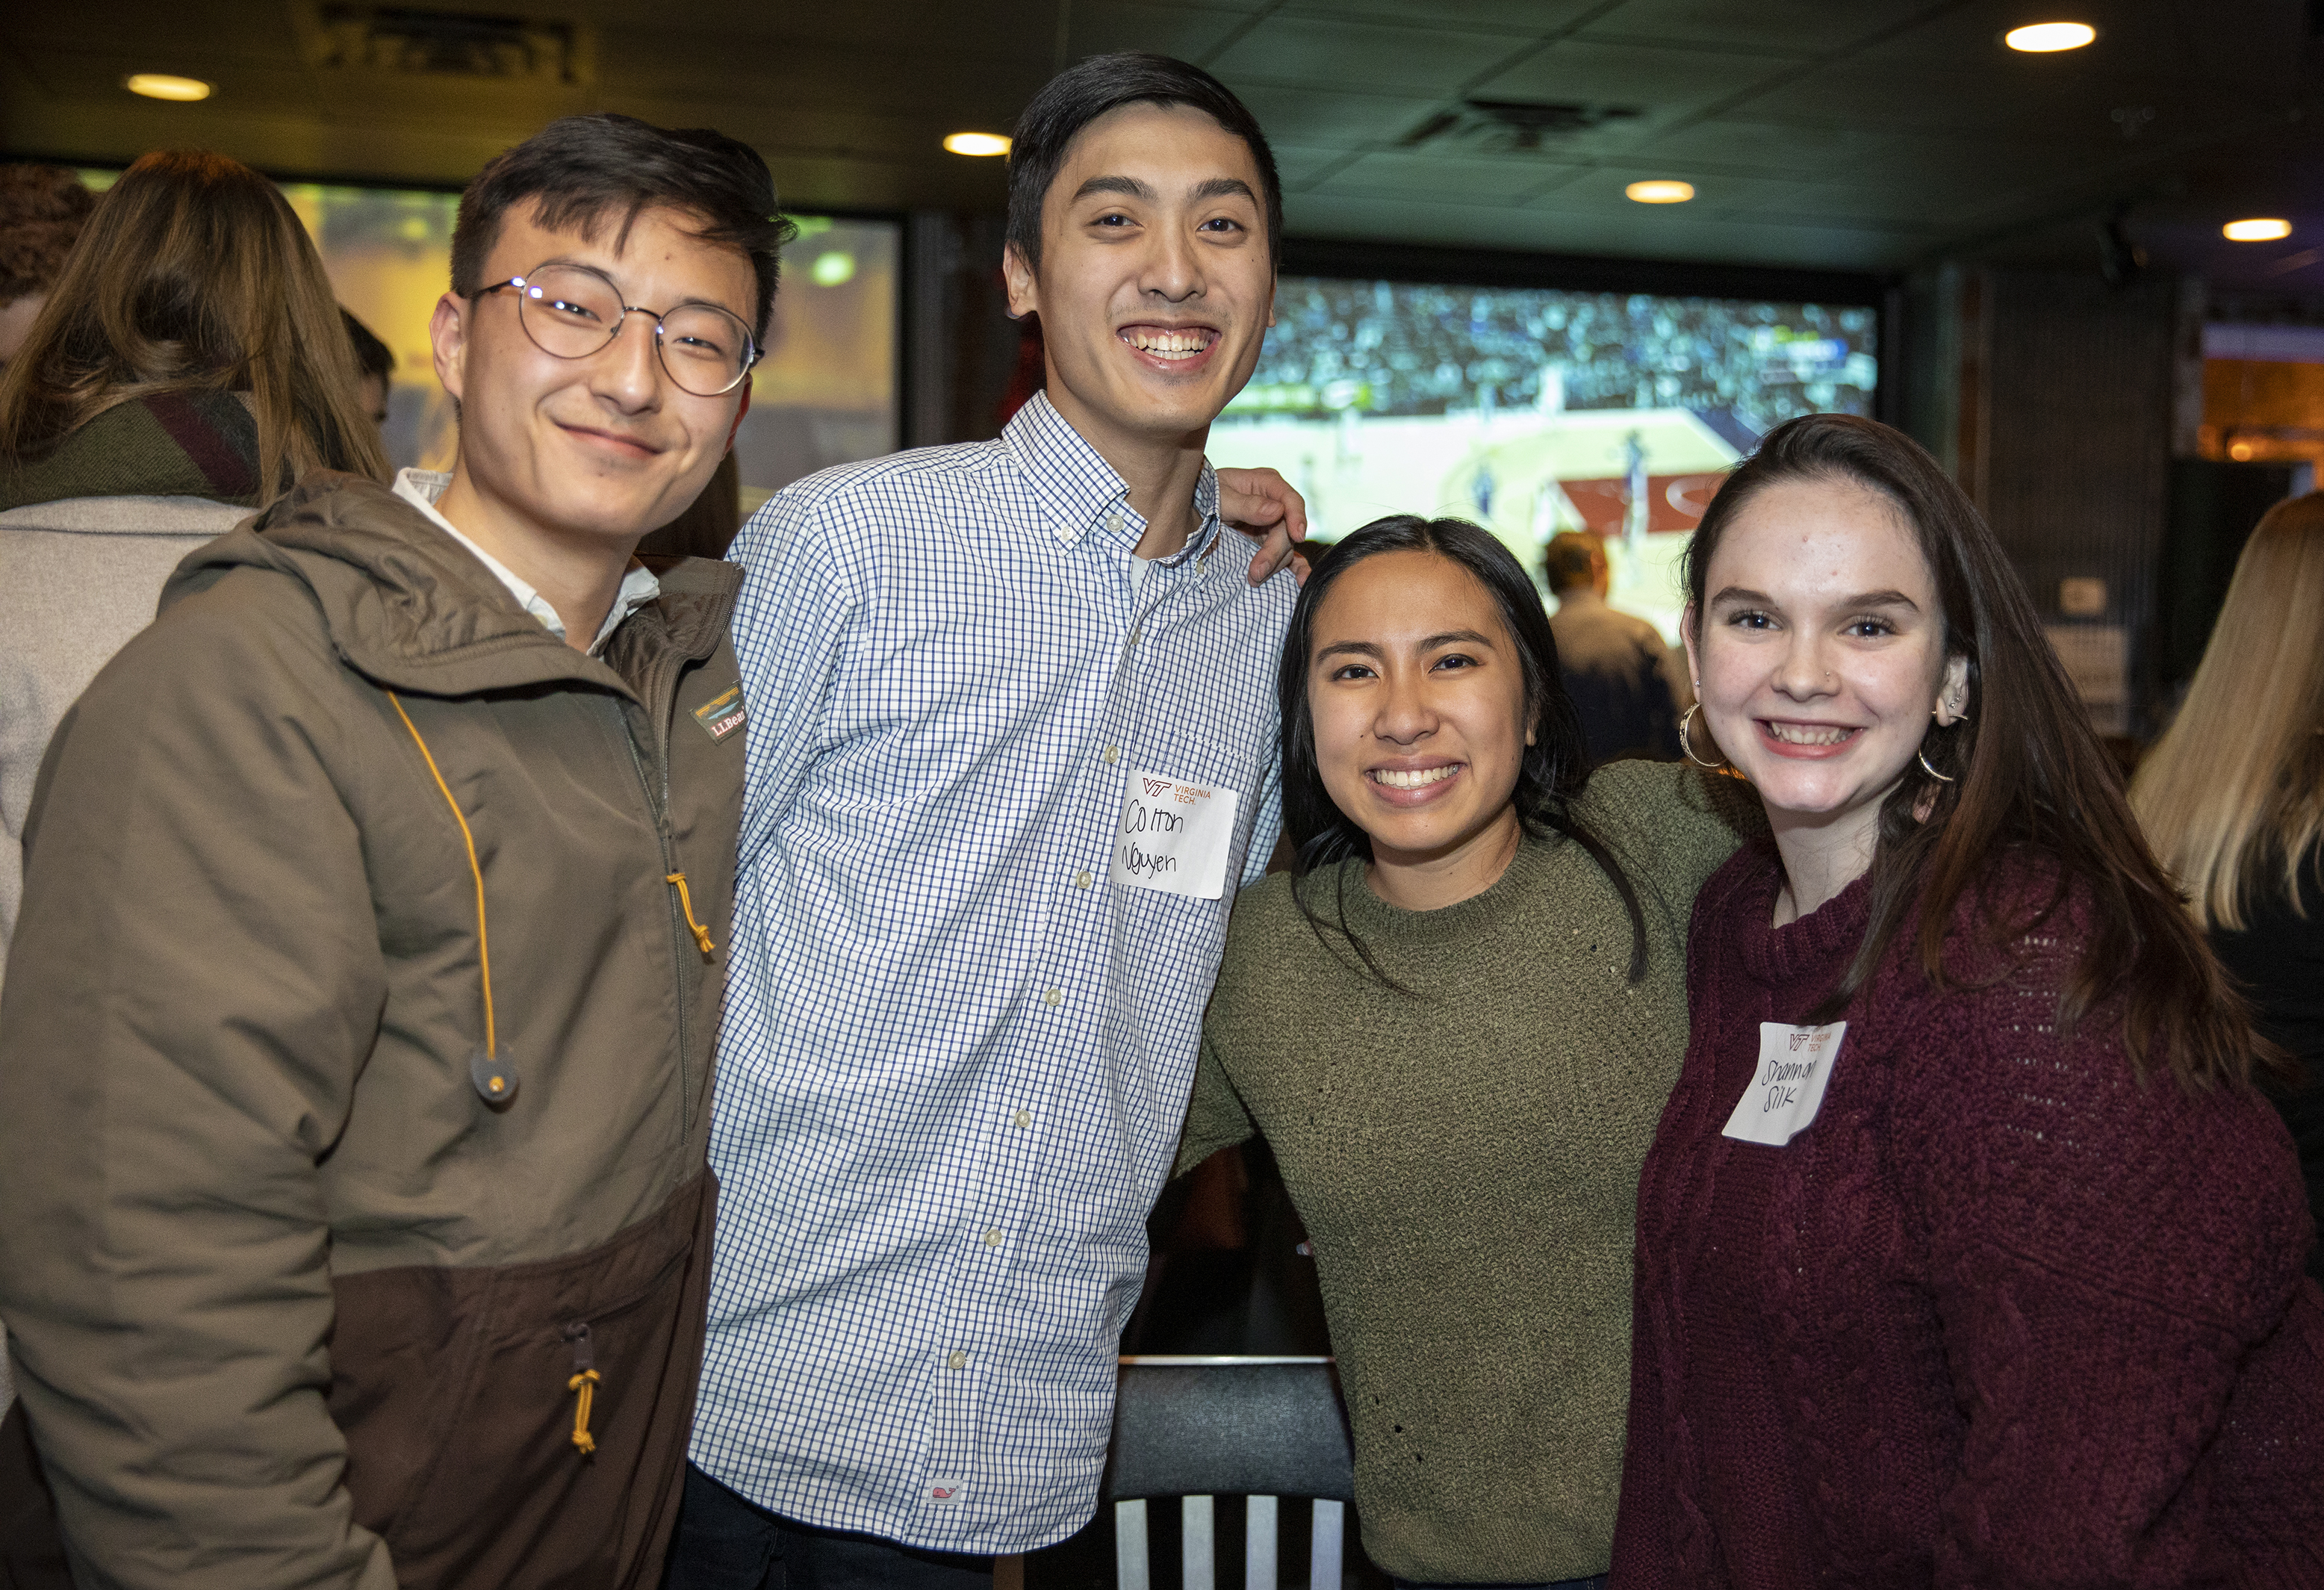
{"x": 1686, "y": 740}
{"x": 1958, "y": 718}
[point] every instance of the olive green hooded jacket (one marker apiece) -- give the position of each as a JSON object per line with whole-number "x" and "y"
{"x": 311, "y": 1282}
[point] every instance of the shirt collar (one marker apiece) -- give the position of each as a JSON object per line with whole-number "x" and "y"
{"x": 1082, "y": 493}
{"x": 422, "y": 487}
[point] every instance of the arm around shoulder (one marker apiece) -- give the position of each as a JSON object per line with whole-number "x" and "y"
{"x": 198, "y": 983}
{"x": 1674, "y": 821}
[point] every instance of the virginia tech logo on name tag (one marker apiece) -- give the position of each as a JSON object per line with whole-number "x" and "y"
{"x": 1173, "y": 834}
{"x": 723, "y": 714}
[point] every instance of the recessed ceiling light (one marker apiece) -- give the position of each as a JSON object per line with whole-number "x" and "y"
{"x": 2260, "y": 229}
{"x": 977, "y": 143}
{"x": 162, "y": 86}
{"x": 1660, "y": 193}
{"x": 2044, "y": 38}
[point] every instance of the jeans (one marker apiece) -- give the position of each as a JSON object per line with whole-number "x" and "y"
{"x": 727, "y": 1543}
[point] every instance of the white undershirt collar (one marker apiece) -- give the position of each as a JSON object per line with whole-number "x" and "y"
{"x": 422, "y": 487}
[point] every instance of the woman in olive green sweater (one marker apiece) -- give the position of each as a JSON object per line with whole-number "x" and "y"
{"x": 1456, "y": 1022}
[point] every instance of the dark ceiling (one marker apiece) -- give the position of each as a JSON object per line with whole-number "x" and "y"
{"x": 1842, "y": 133}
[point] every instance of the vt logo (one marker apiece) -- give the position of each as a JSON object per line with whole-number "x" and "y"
{"x": 1156, "y": 786}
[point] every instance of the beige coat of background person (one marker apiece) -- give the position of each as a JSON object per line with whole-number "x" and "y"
{"x": 140, "y": 420}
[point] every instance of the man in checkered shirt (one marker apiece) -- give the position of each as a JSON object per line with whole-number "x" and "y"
{"x": 1013, "y": 746}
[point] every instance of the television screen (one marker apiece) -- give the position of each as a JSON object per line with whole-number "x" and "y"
{"x": 825, "y": 393}
{"x": 1534, "y": 411}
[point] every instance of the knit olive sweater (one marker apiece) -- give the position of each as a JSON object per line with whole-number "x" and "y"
{"x": 1466, "y": 1159}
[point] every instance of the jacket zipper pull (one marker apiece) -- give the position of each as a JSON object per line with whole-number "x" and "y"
{"x": 583, "y": 1384}
{"x": 686, "y": 903}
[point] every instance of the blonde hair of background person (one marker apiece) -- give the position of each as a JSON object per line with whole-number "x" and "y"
{"x": 194, "y": 275}
{"x": 2232, "y": 796}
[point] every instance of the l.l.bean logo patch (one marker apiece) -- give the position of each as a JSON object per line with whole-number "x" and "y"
{"x": 723, "y": 714}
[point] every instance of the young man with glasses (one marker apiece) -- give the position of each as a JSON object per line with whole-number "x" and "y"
{"x": 1013, "y": 745}
{"x": 355, "y": 1056}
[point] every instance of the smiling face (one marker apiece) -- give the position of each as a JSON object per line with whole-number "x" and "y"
{"x": 606, "y": 448}
{"x": 1820, "y": 653}
{"x": 1417, "y": 697}
{"x": 1156, "y": 286}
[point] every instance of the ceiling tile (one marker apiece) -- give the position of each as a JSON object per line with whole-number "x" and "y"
{"x": 1532, "y": 18}
{"x": 2250, "y": 41}
{"x": 1662, "y": 82}
{"x": 1187, "y": 32}
{"x": 1797, "y": 26}
{"x": 1317, "y": 118}
{"x": 1733, "y": 144}
{"x": 2085, "y": 109}
{"x": 1433, "y": 60}
{"x": 1701, "y": 237}
{"x": 1299, "y": 164}
{"x": 1510, "y": 180}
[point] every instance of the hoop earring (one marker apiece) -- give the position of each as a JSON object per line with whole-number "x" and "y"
{"x": 1958, "y": 718}
{"x": 1686, "y": 740}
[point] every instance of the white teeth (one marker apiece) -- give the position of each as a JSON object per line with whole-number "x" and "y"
{"x": 1167, "y": 344}
{"x": 1802, "y": 734}
{"x": 1397, "y": 777}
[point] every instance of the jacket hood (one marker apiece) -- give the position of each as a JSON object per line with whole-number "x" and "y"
{"x": 408, "y": 607}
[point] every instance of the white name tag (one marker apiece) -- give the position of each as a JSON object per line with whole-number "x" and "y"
{"x": 1787, "y": 1089}
{"x": 1173, "y": 836}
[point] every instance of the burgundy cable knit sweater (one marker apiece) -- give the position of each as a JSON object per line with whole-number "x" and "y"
{"x": 2000, "y": 1317}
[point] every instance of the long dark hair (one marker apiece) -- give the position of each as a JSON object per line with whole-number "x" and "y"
{"x": 2027, "y": 772}
{"x": 1555, "y": 766}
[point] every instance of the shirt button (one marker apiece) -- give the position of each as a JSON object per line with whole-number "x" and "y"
{"x": 1112, "y": 754}
{"x": 1021, "y": 1118}
{"x": 1050, "y": 996}
{"x": 956, "y": 1359}
{"x": 992, "y": 1237}
{"x": 1081, "y": 880}
{"x": 1113, "y": 522}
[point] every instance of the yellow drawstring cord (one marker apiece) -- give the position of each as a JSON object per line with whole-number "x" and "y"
{"x": 584, "y": 1383}
{"x": 686, "y": 905}
{"x": 483, "y": 945}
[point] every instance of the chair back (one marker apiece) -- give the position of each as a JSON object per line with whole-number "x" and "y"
{"x": 1257, "y": 1427}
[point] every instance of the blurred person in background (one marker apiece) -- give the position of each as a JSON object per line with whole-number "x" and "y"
{"x": 709, "y": 525}
{"x": 163, "y": 384}
{"x": 2232, "y": 798}
{"x": 41, "y": 210}
{"x": 1455, "y": 1022}
{"x": 1967, "y": 1251}
{"x": 356, "y": 1050}
{"x": 188, "y": 365}
{"x": 374, "y": 365}
{"x": 1615, "y": 668}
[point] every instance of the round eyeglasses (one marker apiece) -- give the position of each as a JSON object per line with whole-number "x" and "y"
{"x": 571, "y": 311}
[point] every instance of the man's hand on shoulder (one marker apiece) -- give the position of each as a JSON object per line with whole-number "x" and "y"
{"x": 1263, "y": 502}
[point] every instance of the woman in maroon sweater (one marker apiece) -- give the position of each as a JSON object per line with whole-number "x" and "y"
{"x": 1967, "y": 1253}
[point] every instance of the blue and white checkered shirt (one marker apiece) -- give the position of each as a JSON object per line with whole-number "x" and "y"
{"x": 957, "y": 1058}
